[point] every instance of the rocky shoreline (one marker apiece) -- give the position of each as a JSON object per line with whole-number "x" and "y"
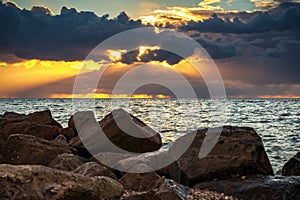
{"x": 39, "y": 159}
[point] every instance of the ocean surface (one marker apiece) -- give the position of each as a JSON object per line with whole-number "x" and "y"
{"x": 277, "y": 121}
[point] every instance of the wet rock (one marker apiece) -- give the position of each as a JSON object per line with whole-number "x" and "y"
{"x": 66, "y": 162}
{"x": 257, "y": 187}
{"x": 292, "y": 167}
{"x": 119, "y": 127}
{"x": 39, "y": 182}
{"x": 238, "y": 151}
{"x": 27, "y": 149}
{"x": 92, "y": 169}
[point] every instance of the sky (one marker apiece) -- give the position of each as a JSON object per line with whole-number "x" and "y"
{"x": 255, "y": 45}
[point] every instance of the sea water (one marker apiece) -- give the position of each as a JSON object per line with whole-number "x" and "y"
{"x": 277, "y": 121}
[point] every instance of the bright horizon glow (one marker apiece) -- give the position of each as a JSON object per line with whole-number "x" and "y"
{"x": 109, "y": 96}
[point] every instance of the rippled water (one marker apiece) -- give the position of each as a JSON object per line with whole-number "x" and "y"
{"x": 277, "y": 121}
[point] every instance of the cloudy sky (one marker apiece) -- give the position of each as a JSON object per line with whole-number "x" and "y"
{"x": 255, "y": 45}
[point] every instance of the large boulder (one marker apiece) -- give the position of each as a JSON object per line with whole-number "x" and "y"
{"x": 238, "y": 151}
{"x": 44, "y": 117}
{"x": 40, "y": 124}
{"x": 119, "y": 127}
{"x": 41, "y": 130}
{"x": 66, "y": 162}
{"x": 27, "y": 149}
{"x": 92, "y": 169}
{"x": 130, "y": 133}
{"x": 39, "y": 182}
{"x": 257, "y": 187}
{"x": 292, "y": 167}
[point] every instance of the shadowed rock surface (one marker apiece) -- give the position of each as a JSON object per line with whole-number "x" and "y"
{"x": 292, "y": 167}
{"x": 121, "y": 128}
{"x": 66, "y": 162}
{"x": 155, "y": 160}
{"x": 109, "y": 158}
{"x": 36, "y": 129}
{"x": 44, "y": 117}
{"x": 257, "y": 187}
{"x": 26, "y": 149}
{"x": 141, "y": 182}
{"x": 92, "y": 169}
{"x": 166, "y": 190}
{"x": 39, "y": 182}
{"x": 238, "y": 151}
{"x": 39, "y": 124}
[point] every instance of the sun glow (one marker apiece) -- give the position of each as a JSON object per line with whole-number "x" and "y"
{"x": 115, "y": 55}
{"x": 33, "y": 73}
{"x": 175, "y": 16}
{"x": 109, "y": 96}
{"x": 144, "y": 50}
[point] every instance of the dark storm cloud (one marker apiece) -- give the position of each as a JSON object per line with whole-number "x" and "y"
{"x": 71, "y": 35}
{"x": 219, "y": 49}
{"x": 289, "y": 19}
{"x": 152, "y": 55}
{"x": 67, "y": 36}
